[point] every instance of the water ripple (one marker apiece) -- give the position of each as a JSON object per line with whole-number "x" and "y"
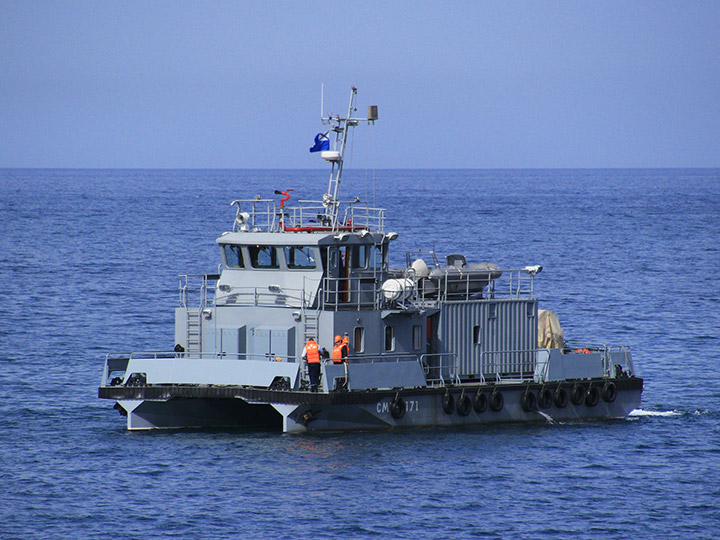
{"x": 107, "y": 282}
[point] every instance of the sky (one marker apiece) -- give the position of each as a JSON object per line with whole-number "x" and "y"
{"x": 463, "y": 84}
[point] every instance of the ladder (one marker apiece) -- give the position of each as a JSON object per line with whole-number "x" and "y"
{"x": 310, "y": 324}
{"x": 194, "y": 337}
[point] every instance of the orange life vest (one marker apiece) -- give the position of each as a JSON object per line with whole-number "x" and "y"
{"x": 337, "y": 353}
{"x": 313, "y": 354}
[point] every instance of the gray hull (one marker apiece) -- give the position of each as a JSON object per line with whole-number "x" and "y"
{"x": 201, "y": 407}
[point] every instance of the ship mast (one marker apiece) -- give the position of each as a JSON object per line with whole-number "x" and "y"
{"x": 335, "y": 157}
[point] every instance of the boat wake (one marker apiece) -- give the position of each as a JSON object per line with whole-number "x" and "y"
{"x": 642, "y": 412}
{"x": 546, "y": 416}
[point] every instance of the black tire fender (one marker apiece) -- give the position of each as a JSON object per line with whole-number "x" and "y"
{"x": 545, "y": 398}
{"x": 609, "y": 392}
{"x": 528, "y": 401}
{"x": 496, "y": 401}
{"x": 480, "y": 402}
{"x": 397, "y": 408}
{"x": 593, "y": 396}
{"x": 464, "y": 405}
{"x": 560, "y": 397}
{"x": 577, "y": 395}
{"x": 448, "y": 403}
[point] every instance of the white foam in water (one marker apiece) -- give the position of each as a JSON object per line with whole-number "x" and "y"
{"x": 642, "y": 412}
{"x": 547, "y": 417}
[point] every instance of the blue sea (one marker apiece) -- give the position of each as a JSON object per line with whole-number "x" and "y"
{"x": 89, "y": 265}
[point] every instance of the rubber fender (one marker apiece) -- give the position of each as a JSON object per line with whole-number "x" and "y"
{"x": 496, "y": 401}
{"x": 560, "y": 397}
{"x": 577, "y": 395}
{"x": 528, "y": 401}
{"x": 480, "y": 402}
{"x": 593, "y": 396}
{"x": 464, "y": 406}
{"x": 545, "y": 398}
{"x": 609, "y": 392}
{"x": 448, "y": 403}
{"x": 398, "y": 408}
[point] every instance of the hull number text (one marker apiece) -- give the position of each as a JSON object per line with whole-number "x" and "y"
{"x": 411, "y": 405}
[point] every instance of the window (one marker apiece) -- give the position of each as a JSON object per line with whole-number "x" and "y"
{"x": 359, "y": 256}
{"x": 389, "y": 338}
{"x": 324, "y": 257}
{"x": 417, "y": 337}
{"x": 359, "y": 339}
{"x": 377, "y": 258}
{"x": 476, "y": 335}
{"x": 233, "y": 256}
{"x": 263, "y": 257}
{"x": 300, "y": 257}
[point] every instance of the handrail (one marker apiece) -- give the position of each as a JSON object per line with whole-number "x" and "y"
{"x": 263, "y": 215}
{"x": 334, "y": 290}
{"x": 446, "y": 367}
{"x": 174, "y": 355}
{"x": 509, "y": 365}
{"x": 429, "y": 291}
{"x": 382, "y": 358}
{"x": 203, "y": 290}
{"x": 262, "y": 296}
{"x": 121, "y": 360}
{"x": 607, "y": 352}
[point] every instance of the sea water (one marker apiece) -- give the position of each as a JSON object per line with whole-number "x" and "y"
{"x": 89, "y": 265}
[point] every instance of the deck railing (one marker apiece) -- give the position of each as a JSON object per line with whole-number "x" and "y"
{"x": 610, "y": 356}
{"x": 197, "y": 290}
{"x": 430, "y": 291}
{"x": 265, "y": 215}
{"x": 116, "y": 363}
{"x": 516, "y": 365}
{"x": 355, "y": 292}
{"x": 440, "y": 368}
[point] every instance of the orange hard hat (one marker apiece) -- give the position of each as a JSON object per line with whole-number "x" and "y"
{"x": 338, "y": 338}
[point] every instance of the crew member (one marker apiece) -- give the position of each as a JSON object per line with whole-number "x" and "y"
{"x": 311, "y": 354}
{"x": 338, "y": 350}
{"x": 346, "y": 346}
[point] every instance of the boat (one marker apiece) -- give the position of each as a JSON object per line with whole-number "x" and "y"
{"x": 439, "y": 342}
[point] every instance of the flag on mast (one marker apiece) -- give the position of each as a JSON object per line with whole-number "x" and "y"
{"x": 322, "y": 142}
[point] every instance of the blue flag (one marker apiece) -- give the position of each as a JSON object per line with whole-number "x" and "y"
{"x": 322, "y": 142}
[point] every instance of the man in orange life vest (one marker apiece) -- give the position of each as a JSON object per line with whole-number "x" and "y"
{"x": 311, "y": 353}
{"x": 340, "y": 351}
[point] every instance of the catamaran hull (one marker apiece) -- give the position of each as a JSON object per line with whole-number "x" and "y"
{"x": 178, "y": 407}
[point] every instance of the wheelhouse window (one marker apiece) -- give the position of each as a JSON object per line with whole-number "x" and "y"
{"x": 389, "y": 338}
{"x": 263, "y": 257}
{"x": 233, "y": 256}
{"x": 360, "y": 256}
{"x": 300, "y": 257}
{"x": 377, "y": 257}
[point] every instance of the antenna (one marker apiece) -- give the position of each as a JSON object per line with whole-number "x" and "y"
{"x": 340, "y": 127}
